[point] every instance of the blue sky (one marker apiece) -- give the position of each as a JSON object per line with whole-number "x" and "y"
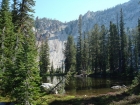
{"x": 67, "y": 10}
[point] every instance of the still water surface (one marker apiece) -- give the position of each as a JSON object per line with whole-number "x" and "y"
{"x": 85, "y": 86}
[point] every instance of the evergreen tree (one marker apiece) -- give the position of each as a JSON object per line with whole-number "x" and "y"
{"x": 123, "y": 43}
{"x": 52, "y": 68}
{"x": 26, "y": 79}
{"x": 62, "y": 66}
{"x": 136, "y": 56}
{"x": 119, "y": 45}
{"x": 85, "y": 53}
{"x": 130, "y": 55}
{"x": 134, "y": 46}
{"x": 138, "y": 41}
{"x": 95, "y": 48}
{"x": 113, "y": 49}
{"x": 79, "y": 47}
{"x": 44, "y": 58}
{"x": 37, "y": 25}
{"x": 70, "y": 54}
{"x": 104, "y": 50}
{"x": 89, "y": 51}
{"x": 7, "y": 48}
{"x": 15, "y": 11}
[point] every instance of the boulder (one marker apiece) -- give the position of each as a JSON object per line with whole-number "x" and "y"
{"x": 48, "y": 87}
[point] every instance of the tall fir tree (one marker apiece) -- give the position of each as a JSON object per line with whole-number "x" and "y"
{"x": 138, "y": 41}
{"x": 70, "y": 55}
{"x": 123, "y": 43}
{"x": 15, "y": 13}
{"x": 136, "y": 53}
{"x": 130, "y": 57}
{"x": 113, "y": 49}
{"x": 134, "y": 47}
{"x": 7, "y": 48}
{"x": 44, "y": 58}
{"x": 85, "y": 53}
{"x": 95, "y": 48}
{"x": 26, "y": 79}
{"x": 89, "y": 51}
{"x": 104, "y": 50}
{"x": 79, "y": 55}
{"x": 52, "y": 68}
{"x": 119, "y": 45}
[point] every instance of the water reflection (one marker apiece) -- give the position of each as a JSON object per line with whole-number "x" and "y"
{"x": 59, "y": 81}
{"x": 85, "y": 86}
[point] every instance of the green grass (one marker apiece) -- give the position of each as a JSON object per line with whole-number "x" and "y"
{"x": 123, "y": 97}
{"x": 48, "y": 99}
{"x": 129, "y": 96}
{"x": 133, "y": 99}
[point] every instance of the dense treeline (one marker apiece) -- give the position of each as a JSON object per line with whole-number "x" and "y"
{"x": 18, "y": 53}
{"x": 112, "y": 51}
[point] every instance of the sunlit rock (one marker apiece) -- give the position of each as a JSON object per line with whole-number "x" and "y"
{"x": 48, "y": 87}
{"x": 118, "y": 87}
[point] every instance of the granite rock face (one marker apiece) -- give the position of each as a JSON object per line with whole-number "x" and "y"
{"x": 57, "y": 32}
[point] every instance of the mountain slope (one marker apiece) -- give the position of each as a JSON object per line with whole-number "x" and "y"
{"x": 57, "y": 31}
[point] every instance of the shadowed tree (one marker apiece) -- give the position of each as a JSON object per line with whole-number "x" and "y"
{"x": 70, "y": 55}
{"x": 113, "y": 49}
{"x": 104, "y": 50}
{"x": 123, "y": 43}
{"x": 44, "y": 58}
{"x": 79, "y": 47}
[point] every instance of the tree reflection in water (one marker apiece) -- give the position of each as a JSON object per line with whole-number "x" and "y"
{"x": 85, "y": 86}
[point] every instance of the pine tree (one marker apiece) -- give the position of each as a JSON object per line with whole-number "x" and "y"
{"x": 136, "y": 53}
{"x": 15, "y": 14}
{"x": 119, "y": 45}
{"x": 79, "y": 47}
{"x": 85, "y": 53}
{"x": 123, "y": 43}
{"x": 95, "y": 48}
{"x": 7, "y": 48}
{"x": 27, "y": 80}
{"x": 138, "y": 41}
{"x": 62, "y": 67}
{"x": 52, "y": 68}
{"x": 44, "y": 58}
{"x": 37, "y": 25}
{"x": 104, "y": 50}
{"x": 134, "y": 47}
{"x": 113, "y": 49}
{"x": 89, "y": 51}
{"x": 70, "y": 55}
{"x": 130, "y": 55}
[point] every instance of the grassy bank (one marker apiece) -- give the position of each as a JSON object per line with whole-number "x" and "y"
{"x": 123, "y": 97}
{"x": 118, "y": 98}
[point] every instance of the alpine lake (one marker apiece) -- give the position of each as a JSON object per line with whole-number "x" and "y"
{"x": 85, "y": 86}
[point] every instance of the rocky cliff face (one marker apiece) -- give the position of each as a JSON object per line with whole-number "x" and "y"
{"x": 57, "y": 31}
